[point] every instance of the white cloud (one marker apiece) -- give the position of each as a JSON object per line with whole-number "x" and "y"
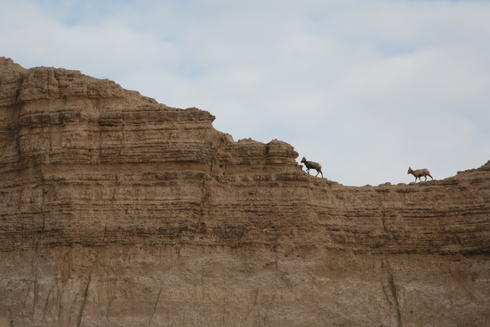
{"x": 365, "y": 88}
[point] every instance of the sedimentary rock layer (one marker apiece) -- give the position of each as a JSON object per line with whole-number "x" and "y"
{"x": 116, "y": 210}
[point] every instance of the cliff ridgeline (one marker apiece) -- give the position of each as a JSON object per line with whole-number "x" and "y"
{"x": 116, "y": 210}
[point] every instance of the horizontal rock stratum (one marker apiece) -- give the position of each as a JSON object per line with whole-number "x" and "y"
{"x": 116, "y": 210}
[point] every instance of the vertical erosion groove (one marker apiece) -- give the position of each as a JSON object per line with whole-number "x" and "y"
{"x": 84, "y": 300}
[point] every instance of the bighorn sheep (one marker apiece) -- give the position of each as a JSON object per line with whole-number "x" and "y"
{"x": 312, "y": 164}
{"x": 419, "y": 173}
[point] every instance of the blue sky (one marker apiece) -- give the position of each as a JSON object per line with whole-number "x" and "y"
{"x": 367, "y": 88}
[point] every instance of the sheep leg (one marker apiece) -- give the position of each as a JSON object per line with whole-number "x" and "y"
{"x": 431, "y": 177}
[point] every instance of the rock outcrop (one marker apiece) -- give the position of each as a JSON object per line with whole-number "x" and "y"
{"x": 116, "y": 210}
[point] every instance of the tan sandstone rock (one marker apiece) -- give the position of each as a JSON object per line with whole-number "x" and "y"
{"x": 119, "y": 211}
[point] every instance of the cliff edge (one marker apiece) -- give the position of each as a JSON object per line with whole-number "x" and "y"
{"x": 116, "y": 210}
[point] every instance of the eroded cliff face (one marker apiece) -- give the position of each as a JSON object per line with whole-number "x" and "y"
{"x": 119, "y": 211}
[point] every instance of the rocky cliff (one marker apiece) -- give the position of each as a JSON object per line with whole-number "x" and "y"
{"x": 116, "y": 210}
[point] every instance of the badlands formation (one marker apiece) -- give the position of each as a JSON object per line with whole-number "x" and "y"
{"x": 116, "y": 210}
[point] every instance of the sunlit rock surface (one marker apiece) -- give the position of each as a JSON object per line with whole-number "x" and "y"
{"x": 116, "y": 210}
